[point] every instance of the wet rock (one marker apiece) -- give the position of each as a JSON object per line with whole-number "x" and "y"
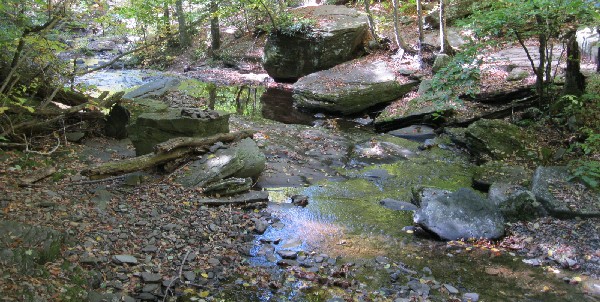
{"x": 495, "y": 139}
{"x": 561, "y": 197}
{"x": 354, "y": 87}
{"x": 287, "y": 254}
{"x": 471, "y": 297}
{"x": 300, "y": 200}
{"x": 515, "y": 202}
{"x": 418, "y": 133}
{"x": 398, "y": 205}
{"x": 290, "y": 54}
{"x": 124, "y": 259}
{"x": 462, "y": 214}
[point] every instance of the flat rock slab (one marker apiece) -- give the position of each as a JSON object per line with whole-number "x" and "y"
{"x": 336, "y": 37}
{"x": 26, "y": 246}
{"x": 499, "y": 172}
{"x": 350, "y": 88}
{"x": 418, "y": 133}
{"x": 398, "y": 205}
{"x": 153, "y": 89}
{"x": 496, "y": 139}
{"x": 156, "y": 127}
{"x": 417, "y": 111}
{"x": 463, "y": 214}
{"x": 563, "y": 198}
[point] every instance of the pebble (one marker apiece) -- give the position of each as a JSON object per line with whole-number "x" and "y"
{"x": 151, "y": 277}
{"x": 471, "y": 297}
{"x": 451, "y": 289}
{"x": 150, "y": 249}
{"x": 189, "y": 275}
{"x": 287, "y": 254}
{"x": 214, "y": 261}
{"x": 148, "y": 288}
{"x": 128, "y": 259}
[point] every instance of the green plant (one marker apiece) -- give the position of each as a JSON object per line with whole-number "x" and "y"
{"x": 586, "y": 171}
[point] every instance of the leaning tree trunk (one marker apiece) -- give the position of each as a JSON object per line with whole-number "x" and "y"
{"x": 215, "y": 34}
{"x": 370, "y": 19}
{"x": 399, "y": 40}
{"x": 574, "y": 79}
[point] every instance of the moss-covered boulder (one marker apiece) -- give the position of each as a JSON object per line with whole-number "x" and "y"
{"x": 496, "y": 139}
{"x": 499, "y": 172}
{"x": 420, "y": 110}
{"x": 152, "y": 128}
{"x": 26, "y": 246}
{"x": 336, "y": 37}
{"x": 350, "y": 88}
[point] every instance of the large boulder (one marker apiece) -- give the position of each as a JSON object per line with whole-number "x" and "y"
{"x": 350, "y": 88}
{"x": 459, "y": 215}
{"x": 561, "y": 196}
{"x": 241, "y": 160}
{"x": 152, "y": 128}
{"x": 495, "y": 139}
{"x": 337, "y": 37}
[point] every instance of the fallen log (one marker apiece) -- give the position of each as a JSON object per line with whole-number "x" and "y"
{"x": 498, "y": 114}
{"x": 170, "y": 150}
{"x": 133, "y": 164}
{"x": 200, "y": 142}
{"x": 250, "y": 197}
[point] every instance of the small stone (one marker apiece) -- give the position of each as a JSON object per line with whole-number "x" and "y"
{"x": 150, "y": 249}
{"x": 128, "y": 259}
{"x": 471, "y": 297}
{"x": 151, "y": 278}
{"x": 260, "y": 226}
{"x": 381, "y": 260}
{"x": 287, "y": 262}
{"x": 451, "y": 289}
{"x": 214, "y": 261}
{"x": 148, "y": 288}
{"x": 146, "y": 297}
{"x": 189, "y": 275}
{"x": 287, "y": 254}
{"x": 427, "y": 270}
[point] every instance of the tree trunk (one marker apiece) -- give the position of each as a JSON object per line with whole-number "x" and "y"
{"x": 184, "y": 38}
{"x": 574, "y": 79}
{"x": 444, "y": 45}
{"x": 421, "y": 37}
{"x": 540, "y": 70}
{"x": 215, "y": 34}
{"x": 598, "y": 56}
{"x": 399, "y": 40}
{"x": 166, "y": 18}
{"x": 370, "y": 19}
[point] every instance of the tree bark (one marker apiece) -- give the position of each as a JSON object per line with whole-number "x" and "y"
{"x": 200, "y": 142}
{"x": 444, "y": 45}
{"x": 184, "y": 37}
{"x": 574, "y": 79}
{"x": 215, "y": 34}
{"x": 399, "y": 40}
{"x": 421, "y": 36}
{"x": 370, "y": 19}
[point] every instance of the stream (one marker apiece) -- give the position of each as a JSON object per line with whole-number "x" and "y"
{"x": 344, "y": 223}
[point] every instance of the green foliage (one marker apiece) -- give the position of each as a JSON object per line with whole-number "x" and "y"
{"x": 290, "y": 24}
{"x": 587, "y": 171}
{"x": 460, "y": 77}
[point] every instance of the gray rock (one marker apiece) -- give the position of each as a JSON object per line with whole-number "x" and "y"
{"x": 471, "y": 297}
{"x": 338, "y": 36}
{"x": 515, "y": 202}
{"x": 287, "y": 254}
{"x": 451, "y": 289}
{"x": 189, "y": 275}
{"x": 125, "y": 259}
{"x": 417, "y": 133}
{"x": 441, "y": 60}
{"x": 495, "y": 139}
{"x": 153, "y": 89}
{"x": 74, "y": 137}
{"x": 27, "y": 246}
{"x": 462, "y": 214}
{"x": 241, "y": 160}
{"x": 561, "y": 197}
{"x": 151, "y": 277}
{"x": 500, "y": 172}
{"x": 352, "y": 87}
{"x": 152, "y": 128}
{"x": 517, "y": 74}
{"x": 229, "y": 186}
{"x": 260, "y": 226}
{"x": 398, "y": 205}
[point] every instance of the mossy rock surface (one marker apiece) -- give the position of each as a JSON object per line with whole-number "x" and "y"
{"x": 27, "y": 246}
{"x": 349, "y": 88}
{"x": 496, "y": 140}
{"x": 499, "y": 172}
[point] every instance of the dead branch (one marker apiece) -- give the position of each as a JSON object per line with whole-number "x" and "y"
{"x": 200, "y": 142}
{"x": 247, "y": 198}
